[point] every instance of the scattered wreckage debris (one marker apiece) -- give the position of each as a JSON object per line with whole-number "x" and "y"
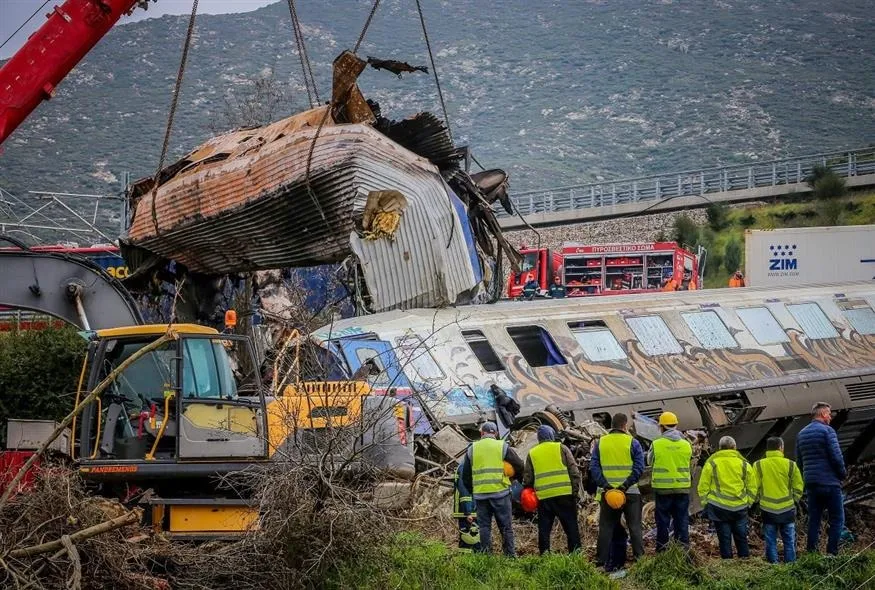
{"x": 296, "y": 193}
{"x": 394, "y": 66}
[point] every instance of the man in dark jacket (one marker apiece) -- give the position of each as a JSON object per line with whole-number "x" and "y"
{"x": 618, "y": 462}
{"x": 552, "y": 471}
{"x": 819, "y": 457}
{"x": 484, "y": 474}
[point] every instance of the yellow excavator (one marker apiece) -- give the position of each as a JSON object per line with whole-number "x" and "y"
{"x": 194, "y": 409}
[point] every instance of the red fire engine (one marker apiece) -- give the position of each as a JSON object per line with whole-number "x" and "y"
{"x": 609, "y": 269}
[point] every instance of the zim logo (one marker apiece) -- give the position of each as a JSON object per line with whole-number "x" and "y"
{"x": 782, "y": 257}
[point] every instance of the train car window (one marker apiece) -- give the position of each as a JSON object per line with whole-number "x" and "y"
{"x": 484, "y": 352}
{"x": 376, "y": 374}
{"x": 862, "y": 319}
{"x": 537, "y": 346}
{"x": 597, "y": 341}
{"x": 710, "y": 330}
{"x": 762, "y": 325}
{"x": 813, "y": 321}
{"x": 415, "y": 358}
{"x": 654, "y": 335}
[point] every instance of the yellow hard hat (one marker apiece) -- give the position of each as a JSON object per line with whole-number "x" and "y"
{"x": 668, "y": 419}
{"x": 508, "y": 470}
{"x": 615, "y": 498}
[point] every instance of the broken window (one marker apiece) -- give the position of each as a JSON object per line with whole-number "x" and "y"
{"x": 416, "y": 360}
{"x": 762, "y": 325}
{"x": 376, "y": 370}
{"x": 537, "y": 346}
{"x": 813, "y": 321}
{"x": 709, "y": 330}
{"x": 597, "y": 341}
{"x": 654, "y": 335}
{"x": 482, "y": 350}
{"x": 862, "y": 319}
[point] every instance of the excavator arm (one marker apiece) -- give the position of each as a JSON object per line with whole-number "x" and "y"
{"x": 65, "y": 286}
{"x": 70, "y": 32}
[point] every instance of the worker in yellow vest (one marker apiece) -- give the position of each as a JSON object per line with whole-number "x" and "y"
{"x": 552, "y": 471}
{"x": 780, "y": 487}
{"x": 617, "y": 463}
{"x": 727, "y": 488}
{"x": 670, "y": 457}
{"x": 483, "y": 472}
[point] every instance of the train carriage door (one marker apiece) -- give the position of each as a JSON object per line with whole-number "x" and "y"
{"x": 375, "y": 362}
{"x": 221, "y": 403}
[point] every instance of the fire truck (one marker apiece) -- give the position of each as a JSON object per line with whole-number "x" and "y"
{"x": 609, "y": 269}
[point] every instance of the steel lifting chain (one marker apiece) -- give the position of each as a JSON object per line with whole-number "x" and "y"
{"x": 365, "y": 28}
{"x": 172, "y": 114}
{"x": 306, "y": 68}
{"x": 434, "y": 69}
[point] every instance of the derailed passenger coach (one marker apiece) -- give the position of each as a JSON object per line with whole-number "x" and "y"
{"x": 748, "y": 363}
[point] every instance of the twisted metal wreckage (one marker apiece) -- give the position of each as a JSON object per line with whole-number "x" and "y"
{"x": 326, "y": 186}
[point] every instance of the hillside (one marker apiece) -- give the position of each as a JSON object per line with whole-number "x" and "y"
{"x": 557, "y": 93}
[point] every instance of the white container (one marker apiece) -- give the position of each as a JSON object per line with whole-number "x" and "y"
{"x": 809, "y": 255}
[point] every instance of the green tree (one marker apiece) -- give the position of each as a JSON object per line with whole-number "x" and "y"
{"x": 39, "y": 372}
{"x": 686, "y": 232}
{"x": 732, "y": 255}
{"x": 718, "y": 216}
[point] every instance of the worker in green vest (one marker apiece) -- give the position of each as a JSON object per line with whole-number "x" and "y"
{"x": 780, "y": 487}
{"x": 483, "y": 472}
{"x": 617, "y": 463}
{"x": 552, "y": 471}
{"x": 727, "y": 488}
{"x": 670, "y": 457}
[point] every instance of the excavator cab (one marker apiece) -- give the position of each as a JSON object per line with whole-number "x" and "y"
{"x": 196, "y": 398}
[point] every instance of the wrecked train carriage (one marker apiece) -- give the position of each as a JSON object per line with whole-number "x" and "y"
{"x": 744, "y": 362}
{"x": 243, "y": 202}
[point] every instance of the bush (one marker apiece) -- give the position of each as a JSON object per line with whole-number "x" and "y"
{"x": 829, "y": 186}
{"x": 718, "y": 216}
{"x": 830, "y": 211}
{"x": 732, "y": 255}
{"x": 686, "y": 232}
{"x": 39, "y": 373}
{"x": 747, "y": 221}
{"x": 818, "y": 172}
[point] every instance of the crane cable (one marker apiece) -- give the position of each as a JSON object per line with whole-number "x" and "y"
{"x": 310, "y": 191}
{"x": 306, "y": 68}
{"x": 172, "y": 113}
{"x": 22, "y": 24}
{"x": 434, "y": 69}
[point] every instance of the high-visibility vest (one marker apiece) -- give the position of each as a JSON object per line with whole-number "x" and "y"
{"x": 487, "y": 466}
{"x": 780, "y": 483}
{"x": 730, "y": 487}
{"x": 615, "y": 454}
{"x": 671, "y": 464}
{"x": 551, "y": 475}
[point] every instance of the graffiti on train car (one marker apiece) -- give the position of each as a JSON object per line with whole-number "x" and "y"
{"x": 696, "y": 367}
{"x": 638, "y": 373}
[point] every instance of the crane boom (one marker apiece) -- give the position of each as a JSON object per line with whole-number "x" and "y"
{"x": 33, "y": 73}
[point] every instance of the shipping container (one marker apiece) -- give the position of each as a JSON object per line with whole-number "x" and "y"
{"x": 809, "y": 255}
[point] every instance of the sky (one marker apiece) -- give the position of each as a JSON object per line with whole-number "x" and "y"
{"x": 15, "y": 12}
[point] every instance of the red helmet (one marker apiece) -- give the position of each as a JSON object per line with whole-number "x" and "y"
{"x": 528, "y": 500}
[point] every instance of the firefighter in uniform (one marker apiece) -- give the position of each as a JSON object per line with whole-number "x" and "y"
{"x": 670, "y": 457}
{"x": 552, "y": 471}
{"x": 618, "y": 463}
{"x": 463, "y": 506}
{"x": 780, "y": 487}
{"x": 727, "y": 487}
{"x": 483, "y": 472}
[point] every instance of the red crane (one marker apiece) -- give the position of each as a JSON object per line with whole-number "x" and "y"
{"x": 33, "y": 73}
